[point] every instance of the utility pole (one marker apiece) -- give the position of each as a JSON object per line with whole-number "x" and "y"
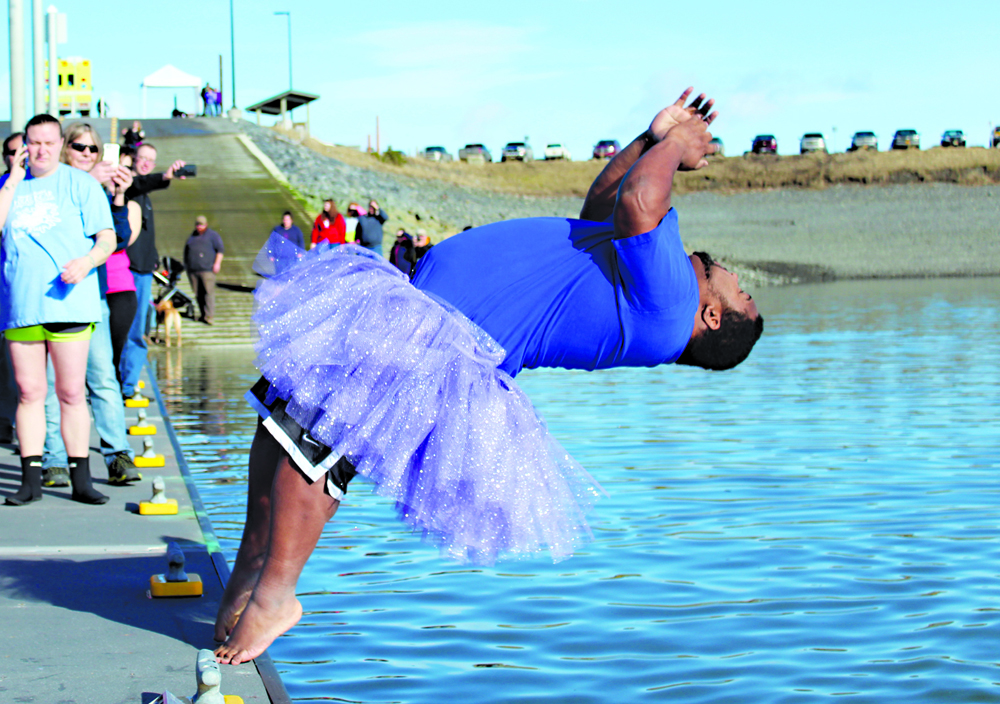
{"x": 52, "y": 19}
{"x": 18, "y": 116}
{"x": 38, "y": 54}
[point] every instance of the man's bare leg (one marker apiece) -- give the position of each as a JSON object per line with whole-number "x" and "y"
{"x": 265, "y": 454}
{"x": 299, "y": 510}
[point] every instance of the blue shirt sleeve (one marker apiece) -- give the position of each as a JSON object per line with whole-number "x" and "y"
{"x": 655, "y": 271}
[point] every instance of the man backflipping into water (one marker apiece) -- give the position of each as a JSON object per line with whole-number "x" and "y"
{"x": 392, "y": 381}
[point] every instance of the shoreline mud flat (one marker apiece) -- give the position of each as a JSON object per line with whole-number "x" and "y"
{"x": 770, "y": 237}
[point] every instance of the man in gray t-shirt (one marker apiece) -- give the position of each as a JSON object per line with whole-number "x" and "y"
{"x": 203, "y": 259}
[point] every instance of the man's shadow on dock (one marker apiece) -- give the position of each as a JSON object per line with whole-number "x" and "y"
{"x": 114, "y": 588}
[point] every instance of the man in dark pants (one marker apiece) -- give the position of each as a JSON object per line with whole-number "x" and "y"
{"x": 144, "y": 260}
{"x": 203, "y": 259}
{"x": 370, "y": 227}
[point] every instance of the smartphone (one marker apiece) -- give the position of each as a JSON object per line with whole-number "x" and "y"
{"x": 188, "y": 170}
{"x": 111, "y": 152}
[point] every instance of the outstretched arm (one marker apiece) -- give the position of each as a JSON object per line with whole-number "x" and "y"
{"x": 600, "y": 199}
{"x": 644, "y": 196}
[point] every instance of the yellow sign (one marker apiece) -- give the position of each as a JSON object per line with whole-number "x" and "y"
{"x": 73, "y": 88}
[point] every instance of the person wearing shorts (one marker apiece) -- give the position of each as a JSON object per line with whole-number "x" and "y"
{"x": 57, "y": 229}
{"x": 413, "y": 383}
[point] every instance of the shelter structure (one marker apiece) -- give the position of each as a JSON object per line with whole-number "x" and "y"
{"x": 171, "y": 77}
{"x": 283, "y": 104}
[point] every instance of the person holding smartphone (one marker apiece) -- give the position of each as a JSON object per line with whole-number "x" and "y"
{"x": 57, "y": 230}
{"x": 143, "y": 258}
{"x": 85, "y": 151}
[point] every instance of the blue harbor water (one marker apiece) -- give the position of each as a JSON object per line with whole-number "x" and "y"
{"x": 821, "y": 522}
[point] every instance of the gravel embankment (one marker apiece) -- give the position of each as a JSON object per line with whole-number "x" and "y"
{"x": 440, "y": 207}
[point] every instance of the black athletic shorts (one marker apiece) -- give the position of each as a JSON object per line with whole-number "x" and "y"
{"x": 311, "y": 456}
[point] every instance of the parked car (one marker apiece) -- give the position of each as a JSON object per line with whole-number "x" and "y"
{"x": 474, "y": 152}
{"x": 765, "y": 144}
{"x": 436, "y": 154}
{"x": 812, "y": 142}
{"x": 953, "y": 138}
{"x": 720, "y": 148}
{"x": 517, "y": 150}
{"x": 556, "y": 151}
{"x": 606, "y": 149}
{"x": 863, "y": 140}
{"x": 905, "y": 139}
{"x": 996, "y": 136}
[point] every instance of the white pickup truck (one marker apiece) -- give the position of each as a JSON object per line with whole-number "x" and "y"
{"x": 556, "y": 151}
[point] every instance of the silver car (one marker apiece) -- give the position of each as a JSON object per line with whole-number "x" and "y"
{"x": 519, "y": 151}
{"x": 863, "y": 140}
{"x": 812, "y": 142}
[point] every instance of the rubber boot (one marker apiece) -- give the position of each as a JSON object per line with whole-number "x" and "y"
{"x": 83, "y": 489}
{"x": 31, "y": 482}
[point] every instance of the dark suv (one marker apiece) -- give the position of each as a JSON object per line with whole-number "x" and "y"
{"x": 765, "y": 144}
{"x": 905, "y": 139}
{"x": 953, "y": 138}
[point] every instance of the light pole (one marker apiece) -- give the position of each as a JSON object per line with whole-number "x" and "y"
{"x": 289, "y": 16}
{"x": 232, "y": 49}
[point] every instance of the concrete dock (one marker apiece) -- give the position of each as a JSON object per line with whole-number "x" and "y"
{"x": 76, "y": 621}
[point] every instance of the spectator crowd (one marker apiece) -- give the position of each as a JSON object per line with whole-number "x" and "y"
{"x": 77, "y": 259}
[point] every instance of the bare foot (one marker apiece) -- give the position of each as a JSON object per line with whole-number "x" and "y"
{"x": 262, "y": 621}
{"x": 234, "y": 600}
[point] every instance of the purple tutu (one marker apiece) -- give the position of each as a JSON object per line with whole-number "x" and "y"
{"x": 408, "y": 390}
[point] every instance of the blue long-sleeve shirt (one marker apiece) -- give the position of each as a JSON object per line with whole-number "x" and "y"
{"x": 292, "y": 234}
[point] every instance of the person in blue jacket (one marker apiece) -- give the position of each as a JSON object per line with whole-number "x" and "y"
{"x": 290, "y": 231}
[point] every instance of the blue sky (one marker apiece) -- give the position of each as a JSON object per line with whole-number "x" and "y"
{"x": 574, "y": 72}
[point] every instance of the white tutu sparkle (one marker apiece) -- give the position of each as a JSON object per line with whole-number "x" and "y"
{"x": 408, "y": 390}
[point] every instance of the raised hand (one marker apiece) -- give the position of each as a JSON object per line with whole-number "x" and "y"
{"x": 675, "y": 114}
{"x": 17, "y": 169}
{"x": 695, "y": 142}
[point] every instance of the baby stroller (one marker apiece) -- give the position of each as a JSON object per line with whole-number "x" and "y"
{"x": 167, "y": 277}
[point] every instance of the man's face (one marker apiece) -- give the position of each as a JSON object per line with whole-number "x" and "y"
{"x": 12, "y": 146}
{"x": 372, "y": 208}
{"x": 44, "y": 144}
{"x": 727, "y": 286}
{"x": 145, "y": 160}
{"x": 286, "y": 221}
{"x": 200, "y": 227}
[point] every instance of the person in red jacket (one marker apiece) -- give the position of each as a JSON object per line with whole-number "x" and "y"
{"x": 329, "y": 226}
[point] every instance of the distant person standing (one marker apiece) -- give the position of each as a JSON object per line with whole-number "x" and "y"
{"x": 203, "y": 259}
{"x": 143, "y": 259}
{"x": 204, "y": 100}
{"x": 421, "y": 245}
{"x": 401, "y": 254}
{"x": 133, "y": 135}
{"x": 330, "y": 225}
{"x": 290, "y": 231}
{"x": 351, "y": 222}
{"x": 370, "y": 227}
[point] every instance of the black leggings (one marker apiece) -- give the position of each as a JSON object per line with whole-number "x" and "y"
{"x": 123, "y": 306}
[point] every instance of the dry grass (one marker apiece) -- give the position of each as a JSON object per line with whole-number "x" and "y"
{"x": 971, "y": 166}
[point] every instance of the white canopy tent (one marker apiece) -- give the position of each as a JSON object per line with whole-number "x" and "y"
{"x": 171, "y": 77}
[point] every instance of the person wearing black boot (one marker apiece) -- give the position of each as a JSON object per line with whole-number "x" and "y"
{"x": 57, "y": 230}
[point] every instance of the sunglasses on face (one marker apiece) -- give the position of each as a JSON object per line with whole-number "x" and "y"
{"x": 92, "y": 148}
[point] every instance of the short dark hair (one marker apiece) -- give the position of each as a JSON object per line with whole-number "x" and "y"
{"x": 288, "y": 213}
{"x": 726, "y": 347}
{"x": 42, "y": 119}
{"x": 11, "y": 138}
